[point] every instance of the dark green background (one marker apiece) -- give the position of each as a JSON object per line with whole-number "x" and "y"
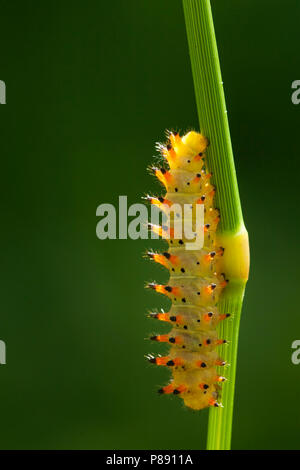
{"x": 90, "y": 87}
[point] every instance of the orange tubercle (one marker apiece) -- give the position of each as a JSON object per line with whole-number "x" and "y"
{"x": 210, "y": 288}
{"x": 170, "y": 154}
{"x": 212, "y": 402}
{"x": 178, "y": 361}
{"x": 207, "y": 317}
{"x": 160, "y": 259}
{"x": 219, "y": 378}
{"x": 163, "y": 317}
{"x": 174, "y": 260}
{"x": 203, "y": 386}
{"x": 178, "y": 340}
{"x": 162, "y": 361}
{"x": 196, "y": 179}
{"x": 198, "y": 157}
{"x": 221, "y": 341}
{"x": 175, "y": 138}
{"x": 159, "y": 201}
{"x": 179, "y": 319}
{"x": 164, "y": 176}
{"x": 219, "y": 362}
{"x": 181, "y": 389}
{"x": 168, "y": 389}
{"x": 224, "y": 316}
{"x": 162, "y": 338}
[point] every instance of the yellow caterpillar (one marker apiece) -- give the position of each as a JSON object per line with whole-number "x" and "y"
{"x": 196, "y": 278}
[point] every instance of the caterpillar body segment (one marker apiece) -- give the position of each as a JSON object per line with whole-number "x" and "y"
{"x": 196, "y": 279}
{"x": 186, "y": 360}
{"x": 193, "y": 263}
{"x": 192, "y": 290}
{"x": 191, "y": 341}
{"x": 199, "y": 318}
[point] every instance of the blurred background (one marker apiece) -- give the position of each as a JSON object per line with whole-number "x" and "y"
{"x": 91, "y": 86}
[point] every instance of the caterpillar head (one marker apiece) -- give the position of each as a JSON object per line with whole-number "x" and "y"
{"x": 197, "y": 142}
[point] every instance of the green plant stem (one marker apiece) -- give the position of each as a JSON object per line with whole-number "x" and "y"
{"x": 214, "y": 125}
{"x": 220, "y": 419}
{"x": 212, "y": 108}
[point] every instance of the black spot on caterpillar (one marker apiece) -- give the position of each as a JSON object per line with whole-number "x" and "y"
{"x": 196, "y": 279}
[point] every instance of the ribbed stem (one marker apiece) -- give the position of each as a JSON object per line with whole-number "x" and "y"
{"x": 214, "y": 125}
{"x": 212, "y": 109}
{"x": 220, "y": 419}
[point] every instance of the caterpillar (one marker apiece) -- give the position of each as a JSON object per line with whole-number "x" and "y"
{"x": 196, "y": 278}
